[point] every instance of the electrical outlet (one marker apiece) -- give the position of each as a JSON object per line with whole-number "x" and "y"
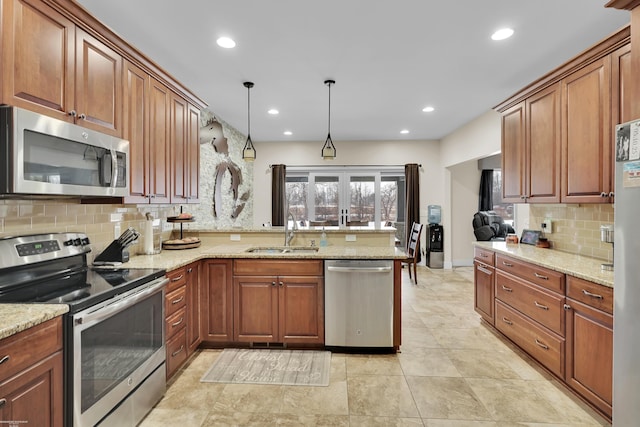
{"x": 350, "y": 237}
{"x": 234, "y": 237}
{"x": 547, "y": 226}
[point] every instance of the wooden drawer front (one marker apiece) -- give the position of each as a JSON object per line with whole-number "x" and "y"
{"x": 485, "y": 256}
{"x": 539, "y": 275}
{"x": 544, "y": 346}
{"x": 174, "y": 301}
{"x": 251, "y": 267}
{"x": 175, "y": 322}
{"x": 538, "y": 303}
{"x": 25, "y": 348}
{"x": 176, "y": 278}
{"x": 176, "y": 351}
{"x": 593, "y": 294}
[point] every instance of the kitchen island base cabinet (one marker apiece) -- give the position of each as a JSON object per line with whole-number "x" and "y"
{"x": 278, "y": 301}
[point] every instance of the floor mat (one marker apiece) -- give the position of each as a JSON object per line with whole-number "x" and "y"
{"x": 278, "y": 367}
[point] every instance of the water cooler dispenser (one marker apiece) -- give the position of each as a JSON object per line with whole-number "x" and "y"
{"x": 435, "y": 238}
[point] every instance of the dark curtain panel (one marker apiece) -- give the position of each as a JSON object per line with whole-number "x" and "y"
{"x": 485, "y": 196}
{"x": 278, "y": 194}
{"x": 412, "y": 213}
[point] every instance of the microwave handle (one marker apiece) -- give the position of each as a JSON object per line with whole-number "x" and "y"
{"x": 110, "y": 174}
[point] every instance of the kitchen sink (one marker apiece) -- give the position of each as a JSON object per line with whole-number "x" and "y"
{"x": 284, "y": 250}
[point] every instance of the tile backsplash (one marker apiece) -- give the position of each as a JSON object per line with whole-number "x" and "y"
{"x": 98, "y": 221}
{"x": 576, "y": 228}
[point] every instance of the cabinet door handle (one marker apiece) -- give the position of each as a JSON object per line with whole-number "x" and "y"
{"x": 507, "y": 321}
{"x": 544, "y": 307}
{"x": 484, "y": 270}
{"x": 504, "y": 288}
{"x": 507, "y": 264}
{"x": 189, "y": 270}
{"x": 603, "y": 194}
{"x": 178, "y": 322}
{"x": 73, "y": 113}
{"x": 5, "y": 359}
{"x": 540, "y": 344}
{"x": 82, "y": 116}
{"x": 179, "y": 300}
{"x": 612, "y": 194}
{"x": 540, "y": 276}
{"x": 281, "y": 284}
{"x": 3, "y": 402}
{"x": 589, "y": 294}
{"x": 175, "y": 279}
{"x": 177, "y": 352}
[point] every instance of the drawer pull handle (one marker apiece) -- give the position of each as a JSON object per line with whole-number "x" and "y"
{"x": 190, "y": 270}
{"x": 546, "y": 347}
{"x": 584, "y": 291}
{"x": 484, "y": 270}
{"x": 504, "y": 288}
{"x": 177, "y": 301}
{"x": 175, "y": 279}
{"x": 5, "y": 359}
{"x": 540, "y": 276}
{"x": 484, "y": 255}
{"x": 507, "y": 264}
{"x": 507, "y": 321}
{"x": 3, "y": 402}
{"x": 177, "y": 352}
{"x": 544, "y": 307}
{"x": 178, "y": 322}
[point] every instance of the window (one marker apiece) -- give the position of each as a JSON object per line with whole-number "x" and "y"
{"x": 505, "y": 210}
{"x": 347, "y": 196}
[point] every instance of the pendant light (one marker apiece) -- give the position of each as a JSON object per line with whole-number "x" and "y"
{"x": 249, "y": 151}
{"x": 329, "y": 150}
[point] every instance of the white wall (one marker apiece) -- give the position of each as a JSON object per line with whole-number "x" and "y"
{"x": 459, "y": 152}
{"x": 364, "y": 153}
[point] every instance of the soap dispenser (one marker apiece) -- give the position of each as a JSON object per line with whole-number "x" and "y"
{"x": 323, "y": 238}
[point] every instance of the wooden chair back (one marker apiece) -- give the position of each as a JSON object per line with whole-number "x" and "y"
{"x": 414, "y": 238}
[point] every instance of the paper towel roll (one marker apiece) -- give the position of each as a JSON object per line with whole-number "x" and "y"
{"x": 148, "y": 237}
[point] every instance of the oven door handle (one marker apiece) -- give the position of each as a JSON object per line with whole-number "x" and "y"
{"x": 121, "y": 303}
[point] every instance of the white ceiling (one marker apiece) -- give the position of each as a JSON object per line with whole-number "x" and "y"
{"x": 389, "y": 58}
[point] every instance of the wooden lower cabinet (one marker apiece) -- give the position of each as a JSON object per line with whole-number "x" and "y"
{"x": 31, "y": 376}
{"x": 194, "y": 296}
{"x": 175, "y": 311}
{"x": 563, "y": 322}
{"x": 276, "y": 308}
{"x": 483, "y": 293}
{"x": 216, "y": 303}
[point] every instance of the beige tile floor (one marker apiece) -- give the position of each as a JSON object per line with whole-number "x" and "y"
{"x": 452, "y": 371}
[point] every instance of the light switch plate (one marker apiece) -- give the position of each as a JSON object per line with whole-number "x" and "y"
{"x": 548, "y": 228}
{"x": 350, "y": 237}
{"x": 235, "y": 237}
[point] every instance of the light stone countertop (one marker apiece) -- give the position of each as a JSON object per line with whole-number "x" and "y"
{"x": 16, "y": 318}
{"x": 172, "y": 259}
{"x": 575, "y": 265}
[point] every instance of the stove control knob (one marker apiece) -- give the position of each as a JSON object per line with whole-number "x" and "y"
{"x": 85, "y": 241}
{"x": 68, "y": 242}
{"x": 77, "y": 242}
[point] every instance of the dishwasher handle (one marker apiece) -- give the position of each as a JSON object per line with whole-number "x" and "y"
{"x": 359, "y": 269}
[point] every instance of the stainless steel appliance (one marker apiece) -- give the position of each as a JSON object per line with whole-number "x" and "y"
{"x": 45, "y": 156}
{"x": 626, "y": 310}
{"x": 114, "y": 352}
{"x": 358, "y": 303}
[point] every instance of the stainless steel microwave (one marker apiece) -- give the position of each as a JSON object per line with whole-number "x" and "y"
{"x": 40, "y": 155}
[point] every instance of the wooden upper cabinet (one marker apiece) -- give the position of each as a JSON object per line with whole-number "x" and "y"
{"x": 159, "y": 152}
{"x": 185, "y": 151}
{"x": 620, "y": 86}
{"x": 135, "y": 119}
{"x": 98, "y": 85}
{"x": 542, "y": 136}
{"x": 193, "y": 158}
{"x": 587, "y": 134}
{"x": 38, "y": 59}
{"x": 513, "y": 154}
{"x": 53, "y": 67}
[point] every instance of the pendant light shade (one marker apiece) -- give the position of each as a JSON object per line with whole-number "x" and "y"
{"x": 249, "y": 151}
{"x": 329, "y": 150}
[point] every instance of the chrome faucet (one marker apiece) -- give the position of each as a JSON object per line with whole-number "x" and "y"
{"x": 289, "y": 234}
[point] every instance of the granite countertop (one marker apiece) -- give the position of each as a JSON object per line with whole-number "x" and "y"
{"x": 16, "y": 318}
{"x": 575, "y": 265}
{"x": 172, "y": 259}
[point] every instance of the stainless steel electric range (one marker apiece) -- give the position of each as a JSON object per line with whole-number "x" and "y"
{"x": 114, "y": 352}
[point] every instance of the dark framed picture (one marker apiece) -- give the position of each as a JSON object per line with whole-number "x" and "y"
{"x": 530, "y": 237}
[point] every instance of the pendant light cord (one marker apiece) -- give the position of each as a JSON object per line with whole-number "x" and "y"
{"x": 248, "y": 110}
{"x": 329, "y": 126}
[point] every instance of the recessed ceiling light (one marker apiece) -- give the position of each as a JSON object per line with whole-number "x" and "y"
{"x": 288, "y": 132}
{"x": 403, "y": 131}
{"x": 428, "y": 109}
{"x": 226, "y": 42}
{"x": 273, "y": 112}
{"x": 501, "y": 34}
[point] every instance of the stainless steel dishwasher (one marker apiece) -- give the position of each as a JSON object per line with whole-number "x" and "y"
{"x": 358, "y": 303}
